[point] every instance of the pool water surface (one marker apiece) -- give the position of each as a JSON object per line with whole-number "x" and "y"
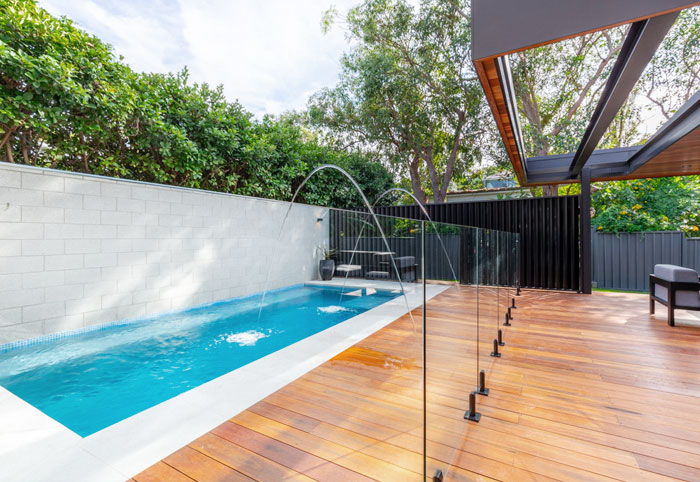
{"x": 90, "y": 381}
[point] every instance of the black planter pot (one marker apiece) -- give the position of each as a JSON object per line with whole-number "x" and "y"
{"x": 326, "y": 268}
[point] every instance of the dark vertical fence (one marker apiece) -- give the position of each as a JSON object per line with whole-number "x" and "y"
{"x": 691, "y": 253}
{"x": 625, "y": 260}
{"x": 548, "y": 229}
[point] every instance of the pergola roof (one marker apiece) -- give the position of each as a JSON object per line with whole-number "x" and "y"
{"x": 501, "y": 27}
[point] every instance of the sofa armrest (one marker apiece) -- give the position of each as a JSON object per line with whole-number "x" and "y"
{"x": 677, "y": 285}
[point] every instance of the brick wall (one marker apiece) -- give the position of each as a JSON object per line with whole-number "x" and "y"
{"x": 81, "y": 250}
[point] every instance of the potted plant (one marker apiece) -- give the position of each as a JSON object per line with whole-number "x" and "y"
{"x": 326, "y": 267}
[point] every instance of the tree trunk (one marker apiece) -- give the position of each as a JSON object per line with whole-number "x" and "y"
{"x": 6, "y": 137}
{"x": 550, "y": 190}
{"x": 449, "y": 168}
{"x": 434, "y": 183}
{"x": 25, "y": 151}
{"x": 415, "y": 180}
{"x": 9, "y": 152}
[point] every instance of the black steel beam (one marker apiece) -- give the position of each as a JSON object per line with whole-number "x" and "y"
{"x": 622, "y": 161}
{"x": 639, "y": 47}
{"x": 586, "y": 266}
{"x": 555, "y": 168}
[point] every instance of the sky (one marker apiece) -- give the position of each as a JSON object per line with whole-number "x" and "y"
{"x": 270, "y": 55}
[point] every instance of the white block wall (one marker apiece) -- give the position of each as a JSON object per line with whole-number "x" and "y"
{"x": 81, "y": 250}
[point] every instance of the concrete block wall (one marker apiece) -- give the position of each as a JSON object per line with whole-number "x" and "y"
{"x": 79, "y": 250}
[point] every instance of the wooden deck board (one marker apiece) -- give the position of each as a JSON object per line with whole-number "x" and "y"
{"x": 589, "y": 387}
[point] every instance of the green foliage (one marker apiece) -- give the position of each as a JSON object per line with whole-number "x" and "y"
{"x": 67, "y": 103}
{"x": 63, "y": 97}
{"x": 573, "y": 189}
{"x": 408, "y": 90}
{"x": 327, "y": 253}
{"x": 661, "y": 204}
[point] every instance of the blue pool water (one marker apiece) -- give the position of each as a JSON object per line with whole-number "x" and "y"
{"x": 90, "y": 381}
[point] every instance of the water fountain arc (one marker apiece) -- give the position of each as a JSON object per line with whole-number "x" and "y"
{"x": 369, "y": 208}
{"x": 425, "y": 212}
{"x": 430, "y": 220}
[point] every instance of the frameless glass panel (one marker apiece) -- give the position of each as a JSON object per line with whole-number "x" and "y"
{"x": 489, "y": 296}
{"x": 367, "y": 389}
{"x": 517, "y": 264}
{"x": 503, "y": 256}
{"x": 451, "y": 341}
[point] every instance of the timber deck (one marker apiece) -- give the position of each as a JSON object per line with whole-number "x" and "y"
{"x": 588, "y": 388}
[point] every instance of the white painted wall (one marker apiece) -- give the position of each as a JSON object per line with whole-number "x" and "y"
{"x": 80, "y": 250}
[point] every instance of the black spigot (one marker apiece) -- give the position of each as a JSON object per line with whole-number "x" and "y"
{"x": 495, "y": 349}
{"x": 507, "y": 322}
{"x": 472, "y": 414}
{"x": 482, "y": 384}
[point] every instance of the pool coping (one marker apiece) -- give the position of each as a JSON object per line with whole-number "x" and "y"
{"x": 36, "y": 447}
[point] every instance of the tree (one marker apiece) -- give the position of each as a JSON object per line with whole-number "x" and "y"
{"x": 661, "y": 204}
{"x": 407, "y": 90}
{"x": 67, "y": 103}
{"x": 63, "y": 96}
{"x": 673, "y": 75}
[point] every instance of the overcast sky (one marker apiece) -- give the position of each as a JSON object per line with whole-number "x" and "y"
{"x": 269, "y": 54}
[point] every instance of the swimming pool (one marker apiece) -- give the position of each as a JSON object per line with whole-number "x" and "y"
{"x": 93, "y": 380}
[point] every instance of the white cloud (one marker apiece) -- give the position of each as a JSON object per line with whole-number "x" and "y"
{"x": 270, "y": 55}
{"x": 147, "y": 36}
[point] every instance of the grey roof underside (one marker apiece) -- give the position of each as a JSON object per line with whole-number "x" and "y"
{"x": 504, "y": 26}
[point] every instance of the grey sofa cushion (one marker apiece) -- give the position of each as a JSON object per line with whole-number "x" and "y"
{"x": 671, "y": 272}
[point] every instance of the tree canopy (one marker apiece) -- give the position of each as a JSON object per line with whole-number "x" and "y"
{"x": 408, "y": 90}
{"x": 67, "y": 102}
{"x": 661, "y": 204}
{"x": 407, "y": 99}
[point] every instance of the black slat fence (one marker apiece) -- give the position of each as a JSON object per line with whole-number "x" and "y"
{"x": 548, "y": 228}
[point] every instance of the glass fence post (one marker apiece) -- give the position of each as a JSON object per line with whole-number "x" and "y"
{"x": 425, "y": 367}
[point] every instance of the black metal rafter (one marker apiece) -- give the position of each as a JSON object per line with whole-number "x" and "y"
{"x": 639, "y": 47}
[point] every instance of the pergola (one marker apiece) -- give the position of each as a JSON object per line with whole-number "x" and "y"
{"x": 502, "y": 27}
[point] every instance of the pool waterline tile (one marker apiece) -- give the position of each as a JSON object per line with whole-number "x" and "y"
{"x": 5, "y": 347}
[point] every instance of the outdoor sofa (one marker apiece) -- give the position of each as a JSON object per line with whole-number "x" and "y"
{"x": 674, "y": 287}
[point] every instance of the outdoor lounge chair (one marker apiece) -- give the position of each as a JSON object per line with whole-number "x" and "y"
{"x": 348, "y": 269}
{"x": 406, "y": 265}
{"x": 674, "y": 287}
